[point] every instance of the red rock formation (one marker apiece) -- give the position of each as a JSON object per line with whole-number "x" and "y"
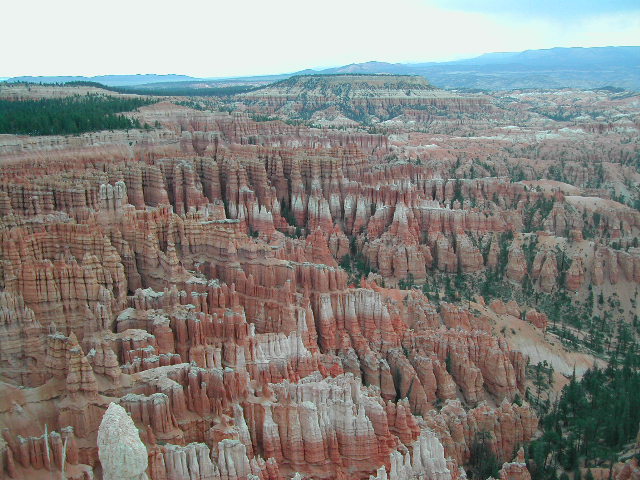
{"x": 630, "y": 470}
{"x": 516, "y": 470}
{"x": 197, "y": 266}
{"x": 21, "y": 341}
{"x": 537, "y": 318}
{"x": 457, "y": 428}
{"x": 498, "y": 306}
{"x": 516, "y": 264}
{"x": 49, "y": 451}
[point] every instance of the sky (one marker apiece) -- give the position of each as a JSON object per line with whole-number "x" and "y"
{"x": 213, "y": 38}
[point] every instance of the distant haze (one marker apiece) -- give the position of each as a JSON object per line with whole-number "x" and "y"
{"x": 202, "y": 38}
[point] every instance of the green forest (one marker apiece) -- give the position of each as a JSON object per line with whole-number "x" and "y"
{"x": 594, "y": 419}
{"x": 71, "y": 115}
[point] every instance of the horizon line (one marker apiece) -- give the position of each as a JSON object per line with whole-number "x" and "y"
{"x": 4, "y": 78}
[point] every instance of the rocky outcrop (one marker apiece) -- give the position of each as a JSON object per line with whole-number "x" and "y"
{"x": 21, "y": 341}
{"x": 516, "y": 470}
{"x": 122, "y": 453}
{"x": 576, "y": 274}
{"x": 545, "y": 270}
{"x": 510, "y": 426}
{"x": 475, "y": 359}
{"x": 629, "y": 471}
{"x": 51, "y": 451}
{"x": 538, "y": 319}
{"x": 516, "y": 264}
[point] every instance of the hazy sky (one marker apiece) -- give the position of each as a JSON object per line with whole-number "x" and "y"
{"x": 211, "y": 38}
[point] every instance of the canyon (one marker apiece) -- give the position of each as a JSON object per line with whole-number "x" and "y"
{"x": 340, "y": 277}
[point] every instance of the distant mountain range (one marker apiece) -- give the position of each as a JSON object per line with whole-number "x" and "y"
{"x": 109, "y": 80}
{"x": 550, "y": 68}
{"x": 576, "y": 57}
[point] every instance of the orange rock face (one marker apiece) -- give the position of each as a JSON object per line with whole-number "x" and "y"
{"x": 629, "y": 471}
{"x": 516, "y": 470}
{"x": 538, "y": 319}
{"x": 234, "y": 285}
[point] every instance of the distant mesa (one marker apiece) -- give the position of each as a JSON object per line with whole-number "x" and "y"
{"x": 349, "y": 85}
{"x": 342, "y": 100}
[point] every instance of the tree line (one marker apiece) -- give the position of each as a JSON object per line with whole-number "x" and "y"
{"x": 594, "y": 419}
{"x": 70, "y": 115}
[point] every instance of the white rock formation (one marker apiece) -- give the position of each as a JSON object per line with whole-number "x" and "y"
{"x": 122, "y": 454}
